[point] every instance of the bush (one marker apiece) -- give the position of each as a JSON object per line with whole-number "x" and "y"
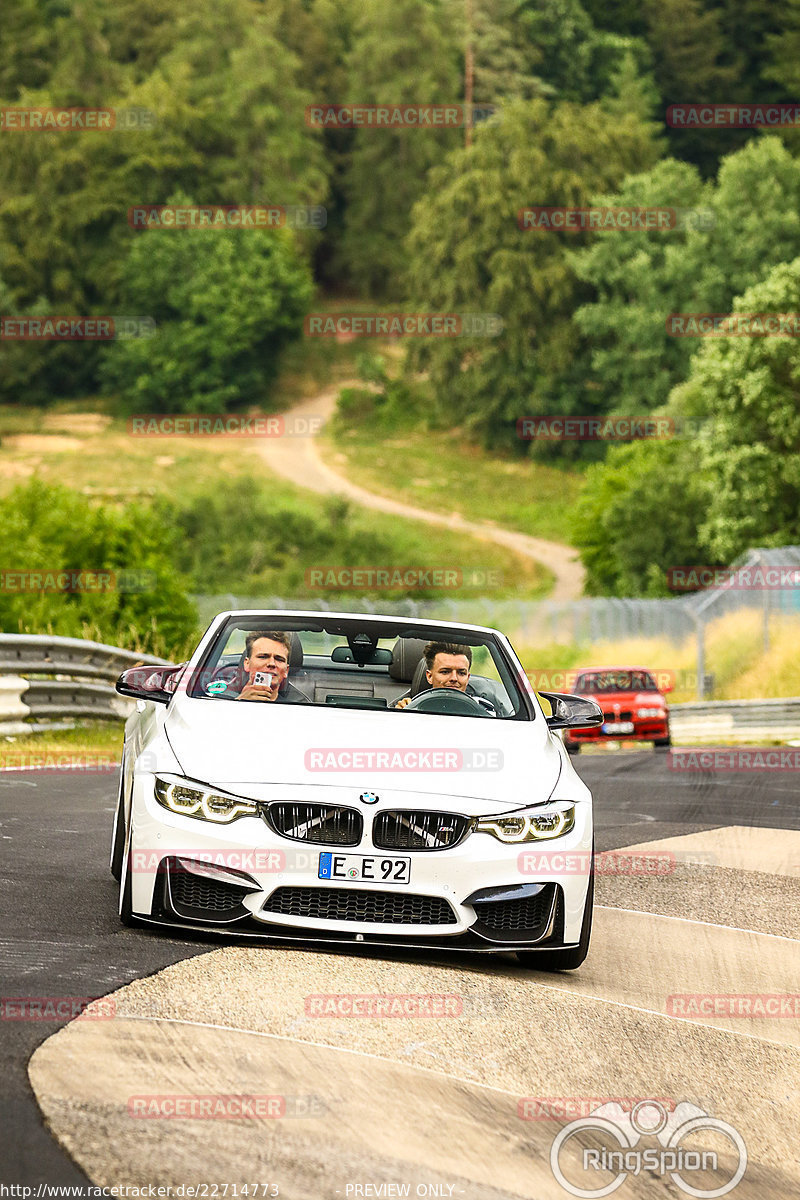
{"x": 225, "y": 304}
{"x": 143, "y": 605}
{"x": 236, "y": 539}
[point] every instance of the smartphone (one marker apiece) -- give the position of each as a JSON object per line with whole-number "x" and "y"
{"x": 262, "y": 679}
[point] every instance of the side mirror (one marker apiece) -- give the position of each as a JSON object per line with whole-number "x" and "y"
{"x": 157, "y": 684}
{"x": 572, "y": 712}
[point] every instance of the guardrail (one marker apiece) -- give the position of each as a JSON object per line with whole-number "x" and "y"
{"x": 737, "y": 720}
{"x": 44, "y": 678}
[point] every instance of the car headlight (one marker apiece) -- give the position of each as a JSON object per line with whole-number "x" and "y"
{"x": 530, "y": 825}
{"x": 650, "y": 712}
{"x": 192, "y": 799}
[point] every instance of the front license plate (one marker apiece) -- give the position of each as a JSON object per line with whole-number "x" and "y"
{"x": 356, "y": 869}
{"x": 618, "y": 727}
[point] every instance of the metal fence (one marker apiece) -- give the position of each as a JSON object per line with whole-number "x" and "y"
{"x": 43, "y": 679}
{"x": 46, "y": 679}
{"x": 589, "y": 620}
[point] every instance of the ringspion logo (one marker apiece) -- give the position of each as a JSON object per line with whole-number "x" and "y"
{"x": 614, "y": 1150}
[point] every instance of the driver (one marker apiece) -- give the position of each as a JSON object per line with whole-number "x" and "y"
{"x": 269, "y": 652}
{"x": 448, "y": 666}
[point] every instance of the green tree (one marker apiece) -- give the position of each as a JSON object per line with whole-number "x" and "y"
{"x": 229, "y": 128}
{"x": 692, "y": 64}
{"x": 746, "y": 224}
{"x": 402, "y": 53}
{"x": 638, "y": 278}
{"x": 637, "y": 516}
{"x": 49, "y": 528}
{"x": 467, "y": 254}
{"x": 225, "y": 304}
{"x": 748, "y": 389}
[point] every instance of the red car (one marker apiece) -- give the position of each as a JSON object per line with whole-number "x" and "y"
{"x": 634, "y": 708}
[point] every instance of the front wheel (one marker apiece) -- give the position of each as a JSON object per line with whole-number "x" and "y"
{"x": 126, "y": 884}
{"x": 572, "y": 747}
{"x": 662, "y": 743}
{"x": 565, "y": 960}
{"x": 118, "y": 835}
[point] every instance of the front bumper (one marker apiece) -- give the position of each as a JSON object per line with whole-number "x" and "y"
{"x": 648, "y": 730}
{"x": 479, "y": 895}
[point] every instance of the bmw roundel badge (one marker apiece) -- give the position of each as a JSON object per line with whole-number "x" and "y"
{"x": 369, "y": 798}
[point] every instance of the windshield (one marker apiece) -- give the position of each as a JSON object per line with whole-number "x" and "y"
{"x": 615, "y": 681}
{"x": 360, "y": 664}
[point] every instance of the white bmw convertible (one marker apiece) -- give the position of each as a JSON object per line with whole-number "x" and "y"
{"x": 343, "y": 778}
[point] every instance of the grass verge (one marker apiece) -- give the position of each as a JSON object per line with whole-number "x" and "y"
{"x": 444, "y": 471}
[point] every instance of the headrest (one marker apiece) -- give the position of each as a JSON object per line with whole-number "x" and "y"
{"x": 406, "y": 654}
{"x": 419, "y": 682}
{"x": 295, "y": 654}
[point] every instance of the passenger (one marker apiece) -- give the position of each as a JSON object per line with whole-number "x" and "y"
{"x": 269, "y": 652}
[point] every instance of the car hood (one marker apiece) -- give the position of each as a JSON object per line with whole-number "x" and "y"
{"x": 252, "y": 747}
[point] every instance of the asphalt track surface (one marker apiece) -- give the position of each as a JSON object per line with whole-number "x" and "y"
{"x": 62, "y": 938}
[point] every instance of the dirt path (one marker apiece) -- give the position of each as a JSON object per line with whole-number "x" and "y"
{"x": 298, "y": 459}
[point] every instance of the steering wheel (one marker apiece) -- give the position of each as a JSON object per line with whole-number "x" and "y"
{"x": 449, "y": 701}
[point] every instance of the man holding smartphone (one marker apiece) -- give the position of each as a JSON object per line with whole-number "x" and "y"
{"x": 266, "y": 666}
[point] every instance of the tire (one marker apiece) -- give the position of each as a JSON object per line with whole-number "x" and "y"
{"x": 565, "y": 960}
{"x": 572, "y": 747}
{"x": 126, "y": 888}
{"x": 118, "y": 835}
{"x": 662, "y": 743}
